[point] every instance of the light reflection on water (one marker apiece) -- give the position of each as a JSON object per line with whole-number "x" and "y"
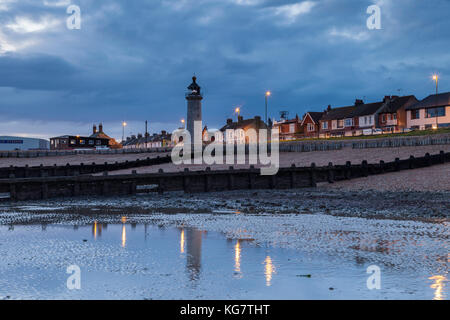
{"x": 438, "y": 286}
{"x": 268, "y": 267}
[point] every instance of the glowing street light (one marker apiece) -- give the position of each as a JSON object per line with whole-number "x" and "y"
{"x": 267, "y": 95}
{"x": 124, "y": 124}
{"x": 183, "y": 122}
{"x": 238, "y": 111}
{"x": 435, "y": 77}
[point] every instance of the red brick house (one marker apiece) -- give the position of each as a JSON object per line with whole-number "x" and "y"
{"x": 392, "y": 117}
{"x": 336, "y": 121}
{"x": 289, "y": 129}
{"x": 311, "y": 125}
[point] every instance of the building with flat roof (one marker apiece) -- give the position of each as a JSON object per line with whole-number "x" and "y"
{"x": 8, "y": 143}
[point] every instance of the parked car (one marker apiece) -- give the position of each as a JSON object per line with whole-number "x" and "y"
{"x": 377, "y": 131}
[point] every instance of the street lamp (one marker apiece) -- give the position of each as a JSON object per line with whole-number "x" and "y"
{"x": 268, "y": 93}
{"x": 124, "y": 124}
{"x": 436, "y": 78}
{"x": 182, "y": 122}
{"x": 238, "y": 111}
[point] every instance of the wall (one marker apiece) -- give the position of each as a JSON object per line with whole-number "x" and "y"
{"x": 422, "y": 122}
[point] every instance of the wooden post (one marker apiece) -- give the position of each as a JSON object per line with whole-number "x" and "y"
{"x": 44, "y": 189}
{"x": 313, "y": 177}
{"x": 292, "y": 174}
{"x": 412, "y": 162}
{"x": 348, "y": 170}
{"x": 365, "y": 169}
{"x": 382, "y": 166}
{"x": 12, "y": 192}
{"x": 397, "y": 164}
{"x": 330, "y": 172}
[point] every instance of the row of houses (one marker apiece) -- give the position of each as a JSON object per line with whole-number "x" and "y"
{"x": 148, "y": 141}
{"x": 393, "y": 114}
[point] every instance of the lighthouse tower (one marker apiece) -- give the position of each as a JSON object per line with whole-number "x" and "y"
{"x": 194, "y": 107}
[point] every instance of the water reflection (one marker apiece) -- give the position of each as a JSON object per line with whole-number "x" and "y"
{"x": 193, "y": 253}
{"x": 124, "y": 232}
{"x": 182, "y": 241}
{"x": 237, "y": 256}
{"x": 438, "y": 286}
{"x": 269, "y": 270}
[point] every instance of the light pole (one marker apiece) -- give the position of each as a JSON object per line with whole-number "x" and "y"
{"x": 183, "y": 122}
{"x": 436, "y": 79}
{"x": 124, "y": 124}
{"x": 238, "y": 112}
{"x": 268, "y": 93}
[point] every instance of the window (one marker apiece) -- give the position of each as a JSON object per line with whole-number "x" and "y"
{"x": 91, "y": 142}
{"x": 98, "y": 142}
{"x": 82, "y": 141}
{"x": 334, "y": 124}
{"x": 310, "y": 127}
{"x": 383, "y": 118}
{"x": 394, "y": 116}
{"x": 72, "y": 141}
{"x": 292, "y": 128}
{"x": 415, "y": 114}
{"x": 325, "y": 125}
{"x": 349, "y": 122}
{"x": 435, "y": 112}
{"x": 340, "y": 123}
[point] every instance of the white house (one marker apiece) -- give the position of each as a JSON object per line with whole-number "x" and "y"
{"x": 431, "y": 113}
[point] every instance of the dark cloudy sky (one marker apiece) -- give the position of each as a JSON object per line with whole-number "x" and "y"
{"x": 134, "y": 59}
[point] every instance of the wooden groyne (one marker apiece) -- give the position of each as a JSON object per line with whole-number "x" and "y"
{"x": 76, "y": 170}
{"x": 203, "y": 181}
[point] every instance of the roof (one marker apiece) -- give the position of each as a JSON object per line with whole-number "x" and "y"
{"x": 366, "y": 109}
{"x": 397, "y": 103}
{"x": 241, "y": 124}
{"x": 316, "y": 116}
{"x": 338, "y": 113}
{"x": 434, "y": 100}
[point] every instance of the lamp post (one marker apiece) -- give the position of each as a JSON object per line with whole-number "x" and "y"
{"x": 124, "y": 124}
{"x": 238, "y": 112}
{"x": 183, "y": 122}
{"x": 436, "y": 79}
{"x": 268, "y": 93}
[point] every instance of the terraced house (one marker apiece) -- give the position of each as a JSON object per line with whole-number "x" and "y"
{"x": 431, "y": 113}
{"x": 392, "y": 117}
{"x": 334, "y": 121}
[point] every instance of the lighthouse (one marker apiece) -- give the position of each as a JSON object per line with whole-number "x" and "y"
{"x": 194, "y": 108}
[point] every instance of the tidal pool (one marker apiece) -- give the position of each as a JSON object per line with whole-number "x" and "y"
{"x": 151, "y": 258}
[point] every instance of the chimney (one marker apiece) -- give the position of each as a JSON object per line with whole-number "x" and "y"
{"x": 358, "y": 102}
{"x": 257, "y": 121}
{"x": 240, "y": 118}
{"x": 328, "y": 108}
{"x": 139, "y": 135}
{"x": 128, "y": 138}
{"x": 100, "y": 128}
{"x": 163, "y": 132}
{"x": 229, "y": 121}
{"x": 94, "y": 129}
{"x": 386, "y": 99}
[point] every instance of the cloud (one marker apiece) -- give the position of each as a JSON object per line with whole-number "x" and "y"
{"x": 291, "y": 12}
{"x": 348, "y": 34}
{"x": 27, "y": 25}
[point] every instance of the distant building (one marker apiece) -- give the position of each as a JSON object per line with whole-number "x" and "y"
{"x": 430, "y": 113}
{"x": 239, "y": 130}
{"x": 68, "y": 142}
{"x": 140, "y": 141}
{"x": 288, "y": 129}
{"x": 194, "y": 106}
{"x": 97, "y": 140}
{"x": 8, "y": 143}
{"x": 113, "y": 144}
{"x": 392, "y": 117}
{"x": 310, "y": 125}
{"x": 335, "y": 120}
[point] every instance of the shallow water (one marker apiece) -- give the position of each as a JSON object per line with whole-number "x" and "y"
{"x": 153, "y": 260}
